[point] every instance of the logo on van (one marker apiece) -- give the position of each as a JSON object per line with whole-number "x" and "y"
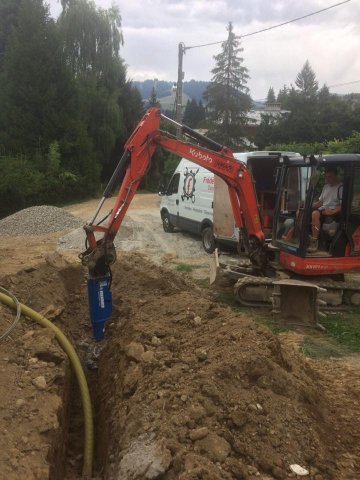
{"x": 189, "y": 185}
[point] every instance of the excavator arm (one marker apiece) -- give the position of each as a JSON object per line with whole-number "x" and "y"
{"x": 132, "y": 167}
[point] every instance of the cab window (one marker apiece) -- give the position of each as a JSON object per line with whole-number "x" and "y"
{"x": 173, "y": 186}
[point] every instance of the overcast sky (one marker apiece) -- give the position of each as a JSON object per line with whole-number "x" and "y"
{"x": 153, "y": 28}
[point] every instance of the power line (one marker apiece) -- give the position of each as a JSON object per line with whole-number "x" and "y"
{"x": 344, "y": 84}
{"x": 274, "y": 26}
{"x": 328, "y": 86}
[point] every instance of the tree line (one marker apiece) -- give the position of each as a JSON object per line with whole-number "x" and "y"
{"x": 312, "y": 114}
{"x": 66, "y": 105}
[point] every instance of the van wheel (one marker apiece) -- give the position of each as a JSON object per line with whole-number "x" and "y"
{"x": 208, "y": 240}
{"x": 167, "y": 225}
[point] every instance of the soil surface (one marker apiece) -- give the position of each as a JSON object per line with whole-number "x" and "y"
{"x": 185, "y": 389}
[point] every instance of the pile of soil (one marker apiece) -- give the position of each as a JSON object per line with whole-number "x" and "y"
{"x": 186, "y": 389}
{"x": 192, "y": 390}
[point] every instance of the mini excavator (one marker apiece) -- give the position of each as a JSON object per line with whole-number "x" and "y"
{"x": 284, "y": 255}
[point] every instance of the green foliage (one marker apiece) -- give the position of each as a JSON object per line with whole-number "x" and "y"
{"x": 227, "y": 95}
{"x": 348, "y": 145}
{"x": 271, "y": 96}
{"x": 313, "y": 115}
{"x": 186, "y": 267}
{"x": 345, "y": 329}
{"x": 194, "y": 114}
{"x": 321, "y": 348}
{"x": 306, "y": 81}
{"x": 66, "y": 107}
{"x": 54, "y": 156}
{"x": 91, "y": 37}
{"x": 153, "y": 100}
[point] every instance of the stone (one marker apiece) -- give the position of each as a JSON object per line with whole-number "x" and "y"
{"x": 299, "y": 470}
{"x": 28, "y": 334}
{"x": 40, "y": 382}
{"x": 197, "y": 320}
{"x": 156, "y": 341}
{"x": 148, "y": 357}
{"x": 145, "y": 459}
{"x": 201, "y": 354}
{"x": 20, "y": 402}
{"x": 135, "y": 351}
{"x": 131, "y": 379}
{"x": 51, "y": 312}
{"x": 198, "y": 433}
{"x": 215, "y": 446}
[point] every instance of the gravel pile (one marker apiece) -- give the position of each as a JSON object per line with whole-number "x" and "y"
{"x": 37, "y": 221}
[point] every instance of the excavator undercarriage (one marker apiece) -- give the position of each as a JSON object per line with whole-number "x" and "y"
{"x": 253, "y": 289}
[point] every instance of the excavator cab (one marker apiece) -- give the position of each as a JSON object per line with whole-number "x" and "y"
{"x": 299, "y": 185}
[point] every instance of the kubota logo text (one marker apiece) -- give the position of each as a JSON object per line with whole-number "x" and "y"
{"x": 201, "y": 156}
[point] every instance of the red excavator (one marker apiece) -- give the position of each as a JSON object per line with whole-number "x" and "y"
{"x": 299, "y": 183}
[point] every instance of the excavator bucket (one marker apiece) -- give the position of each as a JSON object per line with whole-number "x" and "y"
{"x": 296, "y": 302}
{"x": 215, "y": 269}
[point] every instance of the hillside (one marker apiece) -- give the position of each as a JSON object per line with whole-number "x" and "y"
{"x": 193, "y": 88}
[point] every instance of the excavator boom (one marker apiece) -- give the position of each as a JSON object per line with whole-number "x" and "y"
{"x": 132, "y": 167}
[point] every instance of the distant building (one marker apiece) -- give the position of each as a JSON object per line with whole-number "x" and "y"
{"x": 272, "y": 109}
{"x": 255, "y": 115}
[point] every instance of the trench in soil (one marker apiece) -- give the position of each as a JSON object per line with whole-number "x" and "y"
{"x": 183, "y": 388}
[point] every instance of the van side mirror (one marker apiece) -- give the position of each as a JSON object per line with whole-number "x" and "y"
{"x": 162, "y": 191}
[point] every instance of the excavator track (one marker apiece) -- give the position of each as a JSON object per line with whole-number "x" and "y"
{"x": 254, "y": 291}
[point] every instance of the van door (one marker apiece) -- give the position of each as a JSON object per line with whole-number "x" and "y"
{"x": 172, "y": 199}
{"x": 190, "y": 208}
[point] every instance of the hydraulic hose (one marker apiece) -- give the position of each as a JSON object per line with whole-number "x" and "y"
{"x": 80, "y": 376}
{"x": 17, "y": 316}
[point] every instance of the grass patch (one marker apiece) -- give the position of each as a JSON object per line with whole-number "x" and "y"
{"x": 259, "y": 315}
{"x": 345, "y": 329}
{"x": 186, "y": 267}
{"x": 203, "y": 283}
{"x": 321, "y": 348}
{"x": 342, "y": 336}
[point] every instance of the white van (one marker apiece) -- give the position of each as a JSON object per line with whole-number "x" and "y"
{"x": 197, "y": 201}
{"x": 187, "y": 202}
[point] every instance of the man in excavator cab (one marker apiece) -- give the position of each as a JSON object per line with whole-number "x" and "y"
{"x": 326, "y": 209}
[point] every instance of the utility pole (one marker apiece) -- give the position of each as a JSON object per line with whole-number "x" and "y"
{"x": 178, "y": 112}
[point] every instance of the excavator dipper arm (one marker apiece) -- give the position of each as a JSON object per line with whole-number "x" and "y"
{"x": 132, "y": 167}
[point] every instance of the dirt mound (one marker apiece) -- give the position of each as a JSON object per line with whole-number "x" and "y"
{"x": 211, "y": 389}
{"x": 38, "y": 221}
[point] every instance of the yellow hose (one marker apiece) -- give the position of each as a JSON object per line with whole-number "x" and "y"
{"x": 80, "y": 376}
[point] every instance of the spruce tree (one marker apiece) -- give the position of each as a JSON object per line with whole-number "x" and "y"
{"x": 306, "y": 80}
{"x": 227, "y": 95}
{"x": 194, "y": 113}
{"x": 153, "y": 100}
{"x": 271, "y": 96}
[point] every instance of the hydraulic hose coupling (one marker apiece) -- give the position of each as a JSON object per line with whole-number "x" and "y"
{"x": 100, "y": 303}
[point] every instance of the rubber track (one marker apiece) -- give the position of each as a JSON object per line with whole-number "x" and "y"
{"x": 242, "y": 283}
